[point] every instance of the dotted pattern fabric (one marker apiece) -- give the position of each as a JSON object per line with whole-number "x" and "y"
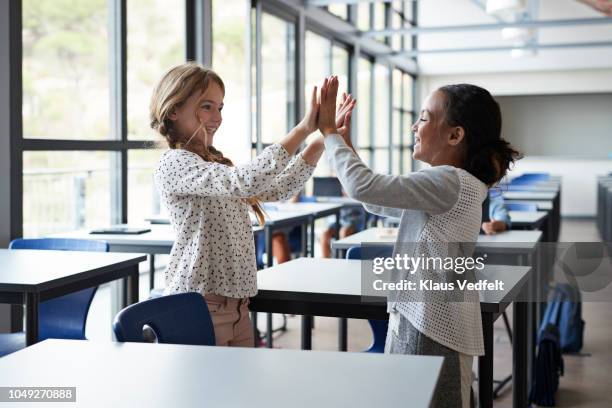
{"x": 456, "y": 325}
{"x": 214, "y": 250}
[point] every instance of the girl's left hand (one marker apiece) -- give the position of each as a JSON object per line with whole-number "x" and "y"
{"x": 309, "y": 123}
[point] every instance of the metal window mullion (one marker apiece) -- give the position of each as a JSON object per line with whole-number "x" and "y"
{"x": 198, "y": 31}
{"x": 300, "y": 65}
{"x": 117, "y": 18}
{"x": 414, "y": 46}
{"x": 371, "y": 107}
{"x": 353, "y": 88}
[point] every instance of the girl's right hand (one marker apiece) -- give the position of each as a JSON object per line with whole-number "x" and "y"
{"x": 327, "y": 106}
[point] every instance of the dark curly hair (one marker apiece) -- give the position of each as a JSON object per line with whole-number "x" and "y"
{"x": 488, "y": 155}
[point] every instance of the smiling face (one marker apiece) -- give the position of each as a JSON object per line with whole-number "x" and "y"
{"x": 201, "y": 111}
{"x": 435, "y": 141}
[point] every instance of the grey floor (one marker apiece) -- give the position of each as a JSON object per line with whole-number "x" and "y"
{"x": 587, "y": 381}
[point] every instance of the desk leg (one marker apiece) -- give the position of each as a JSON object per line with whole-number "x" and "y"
{"x": 306, "y": 333}
{"x": 269, "y": 263}
{"x": 485, "y": 364}
{"x": 129, "y": 288}
{"x": 342, "y": 334}
{"x": 311, "y": 240}
{"x": 519, "y": 355}
{"x": 151, "y": 271}
{"x": 32, "y": 301}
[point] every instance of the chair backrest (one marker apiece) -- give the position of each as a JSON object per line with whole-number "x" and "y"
{"x": 173, "y": 319}
{"x": 60, "y": 244}
{"x": 326, "y": 187}
{"x": 63, "y": 317}
{"x": 521, "y": 207}
{"x": 369, "y": 252}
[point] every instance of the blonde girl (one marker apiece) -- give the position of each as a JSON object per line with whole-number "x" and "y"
{"x": 208, "y": 198}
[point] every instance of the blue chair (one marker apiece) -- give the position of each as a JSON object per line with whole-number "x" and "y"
{"x": 63, "y": 317}
{"x": 521, "y": 207}
{"x": 379, "y": 327}
{"x": 172, "y": 319}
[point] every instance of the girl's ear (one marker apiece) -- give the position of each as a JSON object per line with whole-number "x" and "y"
{"x": 456, "y": 136}
{"x": 173, "y": 115}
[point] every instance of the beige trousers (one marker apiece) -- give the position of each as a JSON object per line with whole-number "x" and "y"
{"x": 230, "y": 317}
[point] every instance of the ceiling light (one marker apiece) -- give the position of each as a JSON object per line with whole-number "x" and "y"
{"x": 503, "y": 7}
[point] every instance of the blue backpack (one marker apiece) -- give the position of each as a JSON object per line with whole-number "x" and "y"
{"x": 548, "y": 367}
{"x": 570, "y": 323}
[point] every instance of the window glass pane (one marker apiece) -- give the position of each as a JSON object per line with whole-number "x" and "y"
{"x": 381, "y": 126}
{"x": 397, "y": 127}
{"x": 364, "y": 104}
{"x": 407, "y": 161}
{"x": 379, "y": 19}
{"x": 365, "y": 156}
{"x": 397, "y": 88}
{"x": 396, "y": 22}
{"x": 396, "y": 160}
{"x": 278, "y": 82}
{"x": 340, "y": 67}
{"x": 230, "y": 20}
{"x": 381, "y": 161}
{"x": 407, "y": 88}
{"x": 340, "y": 10}
{"x": 66, "y": 190}
{"x": 143, "y": 200}
{"x": 65, "y": 70}
{"x": 155, "y": 41}
{"x": 318, "y": 56}
{"x": 363, "y": 16}
{"x": 318, "y": 63}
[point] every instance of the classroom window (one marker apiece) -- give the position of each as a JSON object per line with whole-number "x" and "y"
{"x": 278, "y": 78}
{"x": 66, "y": 190}
{"x": 155, "y": 42}
{"x": 143, "y": 199}
{"x": 65, "y": 70}
{"x": 230, "y": 46}
{"x": 340, "y": 10}
{"x": 363, "y": 16}
{"x": 364, "y": 104}
{"x": 381, "y": 121}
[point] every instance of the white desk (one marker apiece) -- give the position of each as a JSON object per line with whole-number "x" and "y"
{"x": 332, "y": 287}
{"x": 130, "y": 375}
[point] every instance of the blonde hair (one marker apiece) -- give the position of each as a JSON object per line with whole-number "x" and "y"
{"x": 173, "y": 89}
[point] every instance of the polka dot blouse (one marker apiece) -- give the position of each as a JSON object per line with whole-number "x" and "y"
{"x": 214, "y": 250}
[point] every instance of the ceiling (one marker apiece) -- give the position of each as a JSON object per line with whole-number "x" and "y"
{"x": 469, "y": 12}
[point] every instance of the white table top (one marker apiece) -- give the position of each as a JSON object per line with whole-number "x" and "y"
{"x": 26, "y": 269}
{"x": 108, "y": 374}
{"x": 546, "y": 205}
{"x": 343, "y": 277}
{"x": 529, "y": 195}
{"x": 161, "y": 235}
{"x": 527, "y": 216}
{"x": 513, "y": 239}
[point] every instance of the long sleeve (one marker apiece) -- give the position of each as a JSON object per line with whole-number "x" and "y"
{"x": 434, "y": 190}
{"x": 181, "y": 172}
{"x": 290, "y": 181}
{"x": 498, "y": 211}
{"x": 383, "y": 211}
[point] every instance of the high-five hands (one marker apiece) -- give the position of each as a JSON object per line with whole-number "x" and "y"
{"x": 332, "y": 120}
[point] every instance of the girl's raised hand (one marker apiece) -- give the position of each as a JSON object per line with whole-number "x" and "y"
{"x": 327, "y": 106}
{"x": 309, "y": 123}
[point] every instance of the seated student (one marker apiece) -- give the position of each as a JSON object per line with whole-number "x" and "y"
{"x": 349, "y": 222}
{"x": 458, "y": 133}
{"x": 498, "y": 215}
